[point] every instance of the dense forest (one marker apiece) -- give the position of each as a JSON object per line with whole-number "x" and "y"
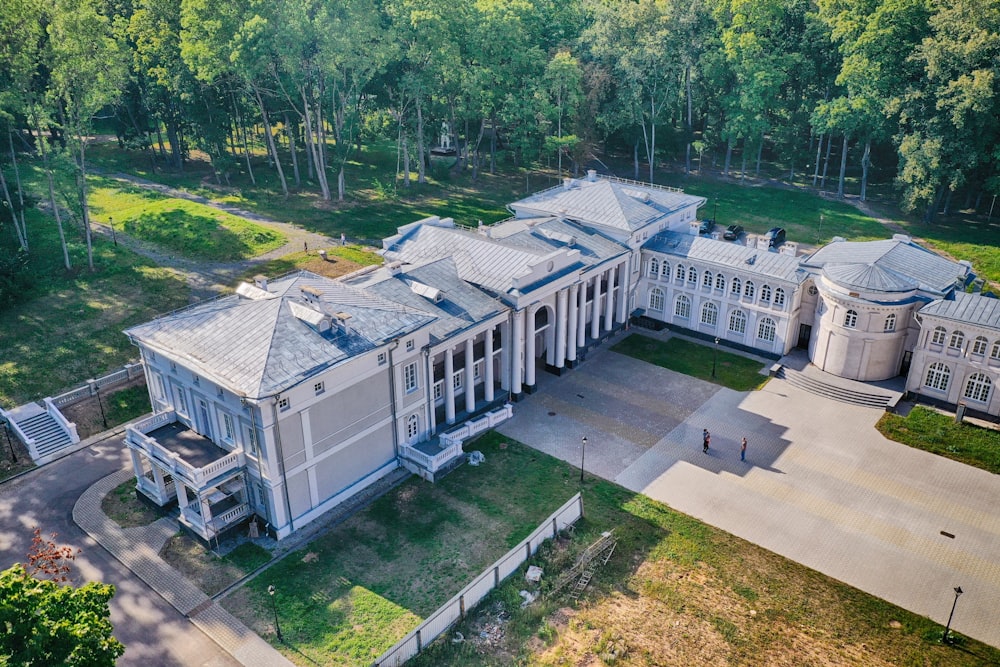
{"x": 813, "y": 85}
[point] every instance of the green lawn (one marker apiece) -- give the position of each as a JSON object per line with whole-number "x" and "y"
{"x": 697, "y": 360}
{"x": 190, "y": 229}
{"x": 350, "y": 594}
{"x": 934, "y": 432}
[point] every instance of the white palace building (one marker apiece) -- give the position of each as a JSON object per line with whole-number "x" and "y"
{"x": 292, "y": 395}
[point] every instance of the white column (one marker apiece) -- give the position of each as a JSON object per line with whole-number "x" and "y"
{"x": 595, "y": 309}
{"x": 488, "y": 365}
{"x": 470, "y": 378}
{"x": 581, "y": 322}
{"x": 136, "y": 462}
{"x": 561, "y": 315}
{"x": 449, "y": 387}
{"x": 182, "y": 495}
{"x": 529, "y": 346}
{"x": 505, "y": 346}
{"x": 432, "y": 413}
{"x": 624, "y": 277}
{"x": 571, "y": 324}
{"x": 516, "y": 345}
{"x": 161, "y": 484}
{"x": 609, "y": 301}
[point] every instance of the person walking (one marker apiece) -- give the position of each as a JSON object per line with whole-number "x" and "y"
{"x": 743, "y": 449}
{"x": 706, "y": 438}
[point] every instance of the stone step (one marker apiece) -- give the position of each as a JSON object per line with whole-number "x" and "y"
{"x": 814, "y": 386}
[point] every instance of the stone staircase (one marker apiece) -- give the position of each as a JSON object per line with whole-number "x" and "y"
{"x": 846, "y": 392}
{"x": 45, "y": 436}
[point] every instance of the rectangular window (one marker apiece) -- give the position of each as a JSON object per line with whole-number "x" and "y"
{"x": 261, "y": 498}
{"x": 197, "y": 380}
{"x": 173, "y": 367}
{"x": 438, "y": 389}
{"x": 409, "y": 345}
{"x": 219, "y": 392}
{"x": 284, "y": 404}
{"x": 456, "y": 380}
{"x": 252, "y": 441}
{"x": 227, "y": 427}
{"x": 158, "y": 388}
{"x": 477, "y": 370}
{"x": 381, "y": 358}
{"x": 319, "y": 388}
{"x": 410, "y": 377}
{"x": 182, "y": 406}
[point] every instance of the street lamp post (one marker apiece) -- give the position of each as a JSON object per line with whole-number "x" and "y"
{"x": 10, "y": 445}
{"x": 715, "y": 356}
{"x": 104, "y": 420}
{"x": 111, "y": 224}
{"x": 947, "y": 628}
{"x": 274, "y": 607}
{"x": 583, "y": 455}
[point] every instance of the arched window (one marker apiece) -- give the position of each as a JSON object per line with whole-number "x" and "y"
{"x": 706, "y": 280}
{"x": 995, "y": 352}
{"x": 937, "y": 376}
{"x": 679, "y": 276}
{"x": 938, "y": 336}
{"x": 766, "y": 329}
{"x": 749, "y": 290}
{"x": 654, "y": 268}
{"x": 682, "y": 307}
{"x": 720, "y": 283}
{"x": 656, "y": 299}
{"x": 851, "y": 319}
{"x": 412, "y": 427}
{"x": 738, "y": 322}
{"x": 692, "y": 276}
{"x": 956, "y": 341}
{"x": 765, "y": 293}
{"x": 665, "y": 271}
{"x": 709, "y": 314}
{"x": 736, "y": 288}
{"x": 979, "y": 345}
{"x": 978, "y": 387}
{"x": 779, "y": 298}
{"x": 890, "y": 322}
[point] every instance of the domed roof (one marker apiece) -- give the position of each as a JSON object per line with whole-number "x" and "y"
{"x": 868, "y": 277}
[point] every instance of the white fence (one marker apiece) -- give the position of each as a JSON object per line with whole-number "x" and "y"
{"x": 456, "y": 608}
{"x": 121, "y": 376}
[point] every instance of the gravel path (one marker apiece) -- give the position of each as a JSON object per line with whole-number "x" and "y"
{"x": 208, "y": 279}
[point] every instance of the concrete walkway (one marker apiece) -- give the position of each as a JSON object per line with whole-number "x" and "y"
{"x": 138, "y": 549}
{"x": 820, "y": 485}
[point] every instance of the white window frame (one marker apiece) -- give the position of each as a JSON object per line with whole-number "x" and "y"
{"x": 228, "y": 428}
{"x": 409, "y": 345}
{"x": 995, "y": 352}
{"x": 736, "y": 288}
{"x": 381, "y": 358}
{"x": 851, "y": 319}
{"x": 937, "y": 377}
{"x": 957, "y": 340}
{"x": 682, "y": 307}
{"x": 938, "y": 335}
{"x": 438, "y": 390}
{"x": 738, "y": 322}
{"x": 692, "y": 276}
{"x": 656, "y": 300}
{"x": 766, "y": 329}
{"x": 749, "y": 290}
{"x": 710, "y": 314}
{"x": 978, "y": 388}
{"x": 779, "y": 298}
{"x": 458, "y": 380}
{"x": 979, "y": 346}
{"x": 765, "y": 293}
{"x": 477, "y": 369}
{"x": 182, "y": 404}
{"x": 706, "y": 280}
{"x": 319, "y": 387}
{"x": 654, "y": 268}
{"x": 890, "y": 323}
{"x": 720, "y": 282}
{"x": 410, "y": 380}
{"x": 412, "y": 427}
{"x": 284, "y": 404}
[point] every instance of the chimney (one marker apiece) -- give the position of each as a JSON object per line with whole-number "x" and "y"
{"x": 311, "y": 294}
{"x": 591, "y": 175}
{"x": 395, "y": 268}
{"x": 261, "y": 281}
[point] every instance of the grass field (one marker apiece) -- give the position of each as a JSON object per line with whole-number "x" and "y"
{"x": 697, "y": 360}
{"x": 934, "y": 432}
{"x": 675, "y": 592}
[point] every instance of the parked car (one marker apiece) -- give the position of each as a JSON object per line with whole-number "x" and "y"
{"x": 732, "y": 232}
{"x": 706, "y": 226}
{"x": 775, "y": 237}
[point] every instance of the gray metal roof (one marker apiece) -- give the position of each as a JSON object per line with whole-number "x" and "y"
{"x": 966, "y": 308}
{"x": 869, "y": 277}
{"x": 460, "y": 305}
{"x": 547, "y": 234}
{"x": 609, "y": 202}
{"x": 489, "y": 263}
{"x": 906, "y": 260}
{"x": 261, "y": 345}
{"x": 726, "y": 254}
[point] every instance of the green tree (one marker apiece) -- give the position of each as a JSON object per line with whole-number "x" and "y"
{"x": 563, "y": 82}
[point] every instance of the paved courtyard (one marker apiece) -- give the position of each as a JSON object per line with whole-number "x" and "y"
{"x": 820, "y": 485}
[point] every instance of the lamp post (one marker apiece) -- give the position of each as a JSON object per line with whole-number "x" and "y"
{"x": 111, "y": 224}
{"x": 583, "y": 455}
{"x": 715, "y": 356}
{"x": 947, "y": 628}
{"x": 104, "y": 420}
{"x": 10, "y": 445}
{"x": 274, "y": 607}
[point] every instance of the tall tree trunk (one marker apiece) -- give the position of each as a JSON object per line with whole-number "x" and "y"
{"x": 866, "y": 160}
{"x": 760, "y": 150}
{"x": 293, "y": 149}
{"x": 690, "y": 120}
{"x": 241, "y": 131}
{"x": 743, "y": 163}
{"x": 819, "y": 148}
{"x": 406, "y": 161}
{"x": 270, "y": 143}
{"x": 52, "y": 192}
{"x": 843, "y": 168}
{"x": 20, "y": 189}
{"x": 635, "y": 158}
{"x": 652, "y": 135}
{"x": 8, "y": 202}
{"x": 421, "y": 175}
{"x": 947, "y": 202}
{"x": 314, "y": 149}
{"x": 340, "y": 183}
{"x": 479, "y": 141}
{"x": 826, "y": 160}
{"x": 81, "y": 182}
{"x": 729, "y": 156}
{"x": 493, "y": 143}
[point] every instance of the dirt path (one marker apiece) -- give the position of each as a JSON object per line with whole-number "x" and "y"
{"x": 208, "y": 279}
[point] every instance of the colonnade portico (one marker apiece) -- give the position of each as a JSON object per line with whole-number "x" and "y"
{"x": 455, "y": 391}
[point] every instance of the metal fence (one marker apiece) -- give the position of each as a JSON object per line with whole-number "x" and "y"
{"x": 121, "y": 376}
{"x": 456, "y": 608}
